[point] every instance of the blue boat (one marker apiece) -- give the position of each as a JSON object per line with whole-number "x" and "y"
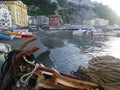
{"x": 116, "y": 28}
{"x": 3, "y": 33}
{"x": 5, "y": 37}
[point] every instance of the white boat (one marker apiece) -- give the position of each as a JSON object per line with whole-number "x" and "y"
{"x": 78, "y": 32}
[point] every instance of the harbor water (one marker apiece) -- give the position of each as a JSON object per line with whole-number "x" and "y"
{"x": 79, "y": 49}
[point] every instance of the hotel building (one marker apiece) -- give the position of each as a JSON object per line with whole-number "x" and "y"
{"x": 18, "y": 12}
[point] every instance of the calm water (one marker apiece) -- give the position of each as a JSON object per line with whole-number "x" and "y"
{"x": 78, "y": 50}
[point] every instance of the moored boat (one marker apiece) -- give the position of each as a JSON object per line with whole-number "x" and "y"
{"x": 21, "y": 34}
{"x": 6, "y": 37}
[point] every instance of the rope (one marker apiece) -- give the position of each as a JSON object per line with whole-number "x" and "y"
{"x": 28, "y": 61}
{"x": 105, "y": 70}
{"x": 30, "y": 73}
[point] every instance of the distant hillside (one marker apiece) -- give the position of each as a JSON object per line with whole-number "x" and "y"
{"x": 70, "y": 12}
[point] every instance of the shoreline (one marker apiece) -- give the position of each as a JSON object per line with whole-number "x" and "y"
{"x": 41, "y": 56}
{"x": 16, "y": 43}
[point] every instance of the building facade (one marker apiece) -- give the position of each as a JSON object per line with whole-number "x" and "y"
{"x": 101, "y": 22}
{"x": 5, "y": 17}
{"x": 18, "y": 12}
{"x": 89, "y": 22}
{"x": 54, "y": 21}
{"x": 85, "y": 2}
{"x": 96, "y": 22}
{"x": 54, "y": 1}
{"x": 38, "y": 20}
{"x": 82, "y": 2}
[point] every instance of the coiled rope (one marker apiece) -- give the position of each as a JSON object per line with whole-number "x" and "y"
{"x": 22, "y": 79}
{"x": 105, "y": 70}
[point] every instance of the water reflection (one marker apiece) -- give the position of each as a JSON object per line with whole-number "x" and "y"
{"x": 113, "y": 47}
{"x": 89, "y": 43}
{"x": 78, "y": 50}
{"x": 68, "y": 58}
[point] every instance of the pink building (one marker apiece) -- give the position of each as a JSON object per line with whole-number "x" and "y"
{"x": 54, "y": 20}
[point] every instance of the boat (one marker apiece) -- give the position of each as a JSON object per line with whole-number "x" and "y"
{"x": 21, "y": 34}
{"x": 6, "y": 37}
{"x": 51, "y": 79}
{"x": 28, "y": 75}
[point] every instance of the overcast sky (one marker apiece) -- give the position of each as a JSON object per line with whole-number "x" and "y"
{"x": 114, "y": 4}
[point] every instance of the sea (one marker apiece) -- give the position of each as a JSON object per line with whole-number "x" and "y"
{"x": 67, "y": 51}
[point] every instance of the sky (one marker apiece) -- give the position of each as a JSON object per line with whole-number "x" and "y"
{"x": 114, "y": 4}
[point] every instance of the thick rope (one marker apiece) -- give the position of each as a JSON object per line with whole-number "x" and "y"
{"x": 105, "y": 70}
{"x": 30, "y": 73}
{"x": 28, "y": 61}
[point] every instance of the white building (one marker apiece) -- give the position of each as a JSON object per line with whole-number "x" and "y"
{"x": 38, "y": 20}
{"x": 85, "y": 2}
{"x": 82, "y": 2}
{"x": 89, "y": 22}
{"x": 101, "y": 22}
{"x": 55, "y": 1}
{"x": 5, "y": 17}
{"x": 96, "y": 22}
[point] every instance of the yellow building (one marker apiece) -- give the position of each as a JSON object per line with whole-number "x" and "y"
{"x": 18, "y": 12}
{"x": 89, "y": 22}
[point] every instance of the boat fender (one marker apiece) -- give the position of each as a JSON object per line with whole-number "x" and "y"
{"x": 18, "y": 83}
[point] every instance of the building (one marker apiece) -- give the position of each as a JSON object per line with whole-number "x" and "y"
{"x": 85, "y": 2}
{"x": 5, "y": 17}
{"x": 82, "y": 2}
{"x": 38, "y": 20}
{"x": 96, "y": 22}
{"x": 89, "y": 22}
{"x": 54, "y": 21}
{"x": 54, "y": 1}
{"x": 101, "y": 22}
{"x": 18, "y": 12}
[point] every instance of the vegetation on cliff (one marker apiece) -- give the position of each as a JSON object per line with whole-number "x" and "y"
{"x": 40, "y": 7}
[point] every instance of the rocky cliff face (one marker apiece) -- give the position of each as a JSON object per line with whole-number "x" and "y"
{"x": 83, "y": 14}
{"x": 76, "y": 13}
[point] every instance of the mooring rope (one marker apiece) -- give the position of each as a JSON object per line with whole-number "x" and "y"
{"x": 30, "y": 73}
{"x": 28, "y": 61}
{"x": 105, "y": 70}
